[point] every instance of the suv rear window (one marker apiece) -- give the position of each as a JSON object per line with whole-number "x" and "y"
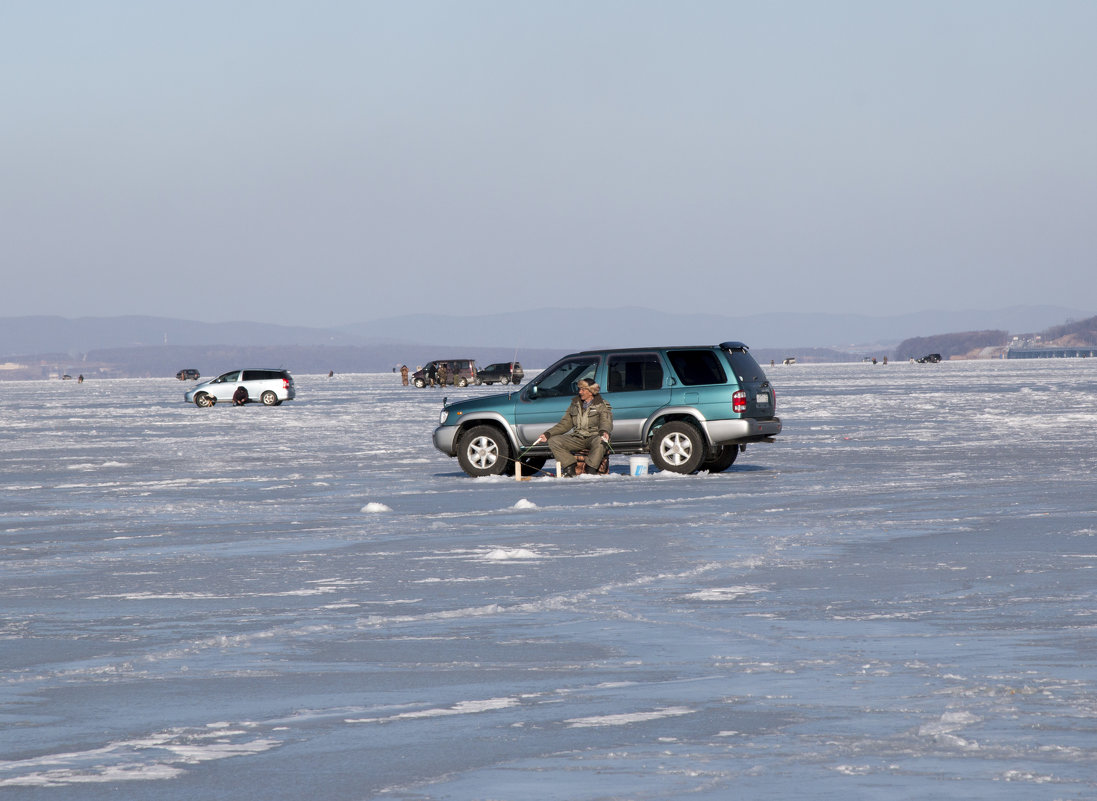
{"x": 696, "y": 367}
{"x": 745, "y": 366}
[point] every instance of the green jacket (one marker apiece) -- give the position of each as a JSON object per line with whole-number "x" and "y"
{"x": 596, "y": 419}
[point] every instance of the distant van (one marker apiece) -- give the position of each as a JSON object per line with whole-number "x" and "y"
{"x": 459, "y": 372}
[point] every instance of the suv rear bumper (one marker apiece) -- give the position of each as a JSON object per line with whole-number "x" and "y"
{"x": 746, "y": 429}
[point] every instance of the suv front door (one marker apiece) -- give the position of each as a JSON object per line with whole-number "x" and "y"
{"x": 544, "y": 401}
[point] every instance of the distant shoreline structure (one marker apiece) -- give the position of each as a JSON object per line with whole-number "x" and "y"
{"x": 1050, "y": 352}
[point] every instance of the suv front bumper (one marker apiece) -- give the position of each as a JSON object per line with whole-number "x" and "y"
{"x": 444, "y": 438}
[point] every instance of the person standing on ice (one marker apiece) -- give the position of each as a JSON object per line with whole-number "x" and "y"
{"x": 586, "y": 424}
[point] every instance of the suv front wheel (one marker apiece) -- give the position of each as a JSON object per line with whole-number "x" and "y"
{"x": 678, "y": 447}
{"x": 483, "y": 451}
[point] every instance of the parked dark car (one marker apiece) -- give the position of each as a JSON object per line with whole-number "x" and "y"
{"x": 502, "y": 372}
{"x": 190, "y": 374}
{"x": 930, "y": 358}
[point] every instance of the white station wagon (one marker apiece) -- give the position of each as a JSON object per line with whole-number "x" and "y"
{"x": 265, "y": 385}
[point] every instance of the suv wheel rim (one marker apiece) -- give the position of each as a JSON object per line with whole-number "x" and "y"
{"x": 483, "y": 452}
{"x": 676, "y": 449}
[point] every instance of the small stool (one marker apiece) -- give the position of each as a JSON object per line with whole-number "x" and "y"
{"x": 581, "y": 463}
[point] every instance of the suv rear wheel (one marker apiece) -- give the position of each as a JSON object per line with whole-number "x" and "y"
{"x": 483, "y": 451}
{"x": 721, "y": 459}
{"x": 678, "y": 447}
{"x": 269, "y": 398}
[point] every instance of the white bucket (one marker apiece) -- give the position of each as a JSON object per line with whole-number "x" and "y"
{"x": 638, "y": 465}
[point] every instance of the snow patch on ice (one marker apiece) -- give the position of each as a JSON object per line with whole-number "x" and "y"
{"x": 626, "y": 718}
{"x": 943, "y": 730}
{"x": 511, "y": 554}
{"x": 152, "y": 758}
{"x": 724, "y": 593}
{"x": 460, "y": 708}
{"x": 524, "y": 504}
{"x": 374, "y": 508}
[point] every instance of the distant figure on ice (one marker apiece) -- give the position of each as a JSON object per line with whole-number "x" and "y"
{"x": 586, "y": 425}
{"x": 404, "y": 374}
{"x": 240, "y": 396}
{"x": 331, "y": 373}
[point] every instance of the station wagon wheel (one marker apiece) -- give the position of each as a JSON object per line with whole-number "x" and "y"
{"x": 419, "y": 383}
{"x": 203, "y": 400}
{"x": 462, "y": 382}
{"x": 721, "y": 459}
{"x": 678, "y": 447}
{"x": 269, "y": 398}
{"x": 483, "y": 451}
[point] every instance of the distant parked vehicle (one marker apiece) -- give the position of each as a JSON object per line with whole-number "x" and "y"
{"x": 459, "y": 372}
{"x": 190, "y": 374}
{"x": 930, "y": 358}
{"x": 267, "y": 386}
{"x": 503, "y": 372}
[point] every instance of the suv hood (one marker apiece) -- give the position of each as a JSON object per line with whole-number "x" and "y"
{"x": 490, "y": 402}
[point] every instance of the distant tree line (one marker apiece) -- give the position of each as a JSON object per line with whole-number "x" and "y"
{"x": 1080, "y": 331}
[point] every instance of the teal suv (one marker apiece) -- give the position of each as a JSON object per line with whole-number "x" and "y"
{"x": 691, "y": 408}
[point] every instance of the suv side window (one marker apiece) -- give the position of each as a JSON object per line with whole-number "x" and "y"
{"x": 634, "y": 372}
{"x": 697, "y": 367}
{"x": 561, "y": 380}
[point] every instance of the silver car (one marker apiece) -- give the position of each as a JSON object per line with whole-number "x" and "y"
{"x": 265, "y": 385}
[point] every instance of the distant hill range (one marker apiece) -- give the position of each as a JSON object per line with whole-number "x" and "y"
{"x": 1081, "y": 334}
{"x": 139, "y": 346}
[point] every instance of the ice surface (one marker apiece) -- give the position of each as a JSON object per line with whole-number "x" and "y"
{"x": 895, "y": 600}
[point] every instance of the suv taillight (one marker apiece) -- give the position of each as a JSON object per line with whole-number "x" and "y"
{"x": 285, "y": 384}
{"x": 739, "y": 401}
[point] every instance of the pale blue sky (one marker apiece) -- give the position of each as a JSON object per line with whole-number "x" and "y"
{"x": 330, "y": 162}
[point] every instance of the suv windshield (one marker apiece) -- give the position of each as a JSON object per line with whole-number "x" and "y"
{"x": 562, "y": 379}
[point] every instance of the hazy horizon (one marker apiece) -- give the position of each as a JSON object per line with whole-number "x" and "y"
{"x": 333, "y": 162}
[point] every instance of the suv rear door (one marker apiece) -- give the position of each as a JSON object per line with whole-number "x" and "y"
{"x": 760, "y": 396}
{"x": 635, "y": 387}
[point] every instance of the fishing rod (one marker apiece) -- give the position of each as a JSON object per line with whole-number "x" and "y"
{"x": 526, "y": 467}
